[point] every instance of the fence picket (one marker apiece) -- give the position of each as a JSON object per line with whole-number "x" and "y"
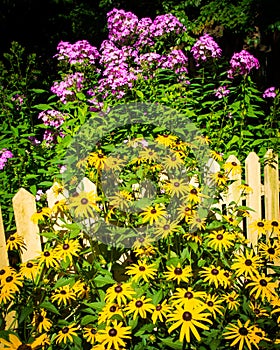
{"x": 271, "y": 187}
{"x": 4, "y": 261}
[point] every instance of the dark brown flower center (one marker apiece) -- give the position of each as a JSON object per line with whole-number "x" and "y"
{"x": 153, "y": 211}
{"x": 243, "y": 331}
{"x": 12, "y": 238}
{"x": 248, "y": 262}
{"x": 65, "y": 246}
{"x": 9, "y": 279}
{"x": 113, "y": 308}
{"x": 260, "y": 224}
{"x": 230, "y": 299}
{"x": 176, "y": 184}
{"x": 2, "y": 272}
{"x": 142, "y": 268}
{"x": 233, "y": 163}
{"x": 187, "y": 316}
{"x": 271, "y": 251}
{"x": 29, "y": 265}
{"x": 166, "y": 227}
{"x": 139, "y": 303}
{"x": 84, "y": 201}
{"x": 118, "y": 289}
{"x": 214, "y": 272}
{"x": 263, "y": 282}
{"x": 63, "y": 292}
{"x": 194, "y": 191}
{"x": 24, "y": 347}
{"x": 65, "y": 330}
{"x": 40, "y": 318}
{"x": 226, "y": 274}
{"x": 220, "y": 237}
{"x": 274, "y": 223}
{"x": 112, "y": 332}
{"x": 188, "y": 295}
{"x": 46, "y": 254}
{"x": 100, "y": 155}
{"x": 257, "y": 311}
{"x": 93, "y": 331}
{"x": 158, "y": 307}
{"x": 210, "y": 303}
{"x": 178, "y": 271}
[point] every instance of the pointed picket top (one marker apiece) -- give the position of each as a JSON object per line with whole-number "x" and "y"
{"x": 271, "y": 186}
{"x": 253, "y": 199}
{"x": 24, "y": 207}
{"x": 4, "y": 261}
{"x": 86, "y": 185}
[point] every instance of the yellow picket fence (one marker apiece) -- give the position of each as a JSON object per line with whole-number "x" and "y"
{"x": 264, "y": 200}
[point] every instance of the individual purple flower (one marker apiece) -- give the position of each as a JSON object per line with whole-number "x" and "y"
{"x": 270, "y": 92}
{"x": 5, "y": 154}
{"x": 167, "y": 23}
{"x": 242, "y": 63}
{"x": 204, "y": 48}
{"x": 39, "y": 194}
{"x": 52, "y": 118}
{"x": 121, "y": 25}
{"x": 80, "y": 52}
{"x": 62, "y": 168}
{"x": 33, "y": 140}
{"x": 221, "y": 92}
{"x": 66, "y": 88}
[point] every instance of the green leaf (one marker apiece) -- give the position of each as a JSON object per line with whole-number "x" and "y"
{"x": 50, "y": 307}
{"x": 176, "y": 345}
{"x": 25, "y": 313}
{"x": 140, "y": 94}
{"x": 88, "y": 319}
{"x": 156, "y": 298}
{"x": 63, "y": 282}
{"x": 101, "y": 281}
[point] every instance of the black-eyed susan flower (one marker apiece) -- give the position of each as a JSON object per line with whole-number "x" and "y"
{"x": 108, "y": 311}
{"x": 260, "y": 226}
{"x": 90, "y": 334}
{"x": 177, "y": 187}
{"x": 119, "y": 293}
{"x": 114, "y": 163}
{"x": 29, "y": 269}
{"x": 6, "y": 296}
{"x": 213, "y": 304}
{"x": 189, "y": 319}
{"x": 81, "y": 289}
{"x": 63, "y": 295}
{"x": 84, "y": 204}
{"x": 232, "y": 168}
{"x": 193, "y": 236}
{"x": 232, "y": 300}
{"x": 185, "y": 212}
{"x": 59, "y": 207}
{"x": 121, "y": 200}
{"x": 274, "y": 226}
{"x": 246, "y": 264}
{"x": 144, "y": 252}
{"x": 258, "y": 335}
{"x": 213, "y": 275}
{"x": 216, "y": 155}
{"x": 197, "y": 222}
{"x": 258, "y": 310}
{"x": 160, "y": 312}
{"x": 68, "y": 249}
{"x": 221, "y": 240}
{"x": 15, "y": 242}
{"x": 269, "y": 251}
{"x": 143, "y": 241}
{"x": 193, "y": 195}
{"x": 220, "y": 178}
{"x": 154, "y": 213}
{"x": 5, "y": 271}
{"x": 231, "y": 219}
{"x": 240, "y": 334}
{"x": 113, "y": 336}
{"x": 172, "y": 161}
{"x": 40, "y": 321}
{"x": 97, "y": 160}
{"x": 166, "y": 140}
{"x": 139, "y": 306}
{"x": 177, "y": 273}
{"x": 12, "y": 282}
{"x": 141, "y": 270}
{"x": 49, "y": 258}
{"x": 66, "y": 334}
{"x": 165, "y": 228}
{"x": 245, "y": 189}
{"x": 149, "y": 155}
{"x": 262, "y": 286}
{"x": 41, "y": 214}
{"x": 183, "y": 297}
{"x": 14, "y": 343}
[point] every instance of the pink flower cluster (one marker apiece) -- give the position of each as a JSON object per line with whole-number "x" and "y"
{"x": 242, "y": 63}
{"x": 221, "y": 92}
{"x": 270, "y": 92}
{"x": 66, "y": 88}
{"x": 52, "y": 118}
{"x": 81, "y": 52}
{"x": 204, "y": 48}
{"x": 5, "y": 154}
{"x": 168, "y": 23}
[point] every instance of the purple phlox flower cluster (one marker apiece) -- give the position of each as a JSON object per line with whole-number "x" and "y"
{"x": 121, "y": 25}
{"x": 175, "y": 60}
{"x": 18, "y": 99}
{"x": 144, "y": 33}
{"x": 52, "y": 118}
{"x": 5, "y": 154}
{"x": 50, "y": 136}
{"x": 167, "y": 23}
{"x": 242, "y": 63}
{"x": 149, "y": 60}
{"x": 79, "y": 52}
{"x": 64, "y": 89}
{"x": 204, "y": 48}
{"x": 270, "y": 92}
{"x": 34, "y": 140}
{"x": 96, "y": 105}
{"x": 221, "y": 92}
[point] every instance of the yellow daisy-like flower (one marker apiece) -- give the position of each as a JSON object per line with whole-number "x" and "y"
{"x": 193, "y": 195}
{"x": 178, "y": 274}
{"x": 189, "y": 319}
{"x": 231, "y": 219}
{"x": 184, "y": 297}
{"x": 212, "y": 304}
{"x": 59, "y": 207}
{"x": 185, "y": 212}
{"x": 221, "y": 240}
{"x": 84, "y": 204}
{"x": 114, "y": 163}
{"x": 246, "y": 264}
{"x": 173, "y": 161}
{"x": 231, "y": 300}
{"x": 81, "y": 289}
{"x": 165, "y": 228}
{"x": 262, "y": 286}
{"x": 213, "y": 275}
{"x": 274, "y": 226}
{"x": 90, "y": 334}
{"x": 49, "y": 258}
{"x": 177, "y": 187}
{"x": 269, "y": 251}
{"x": 6, "y": 271}
{"x": 14, "y": 343}
{"x": 11, "y": 283}
{"x": 196, "y": 222}
{"x": 232, "y": 168}
{"x": 119, "y": 292}
{"x": 160, "y": 312}
{"x": 67, "y": 333}
{"x": 242, "y": 334}
{"x": 203, "y": 140}
{"x": 29, "y": 269}
{"x": 216, "y": 155}
{"x": 143, "y": 241}
{"x": 245, "y": 189}
{"x": 152, "y": 214}
{"x": 97, "y": 159}
{"x": 139, "y": 306}
{"x": 149, "y": 155}
{"x": 41, "y": 214}
{"x": 63, "y": 295}
{"x": 141, "y": 271}
{"x": 40, "y": 322}
{"x": 144, "y": 252}
{"x": 108, "y": 311}
{"x": 258, "y": 335}
{"x": 258, "y": 310}
{"x": 15, "y": 242}
{"x": 68, "y": 249}
{"x": 121, "y": 200}
{"x": 260, "y": 226}
{"x": 166, "y": 140}
{"x": 112, "y": 337}
{"x": 193, "y": 236}
{"x": 220, "y": 178}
